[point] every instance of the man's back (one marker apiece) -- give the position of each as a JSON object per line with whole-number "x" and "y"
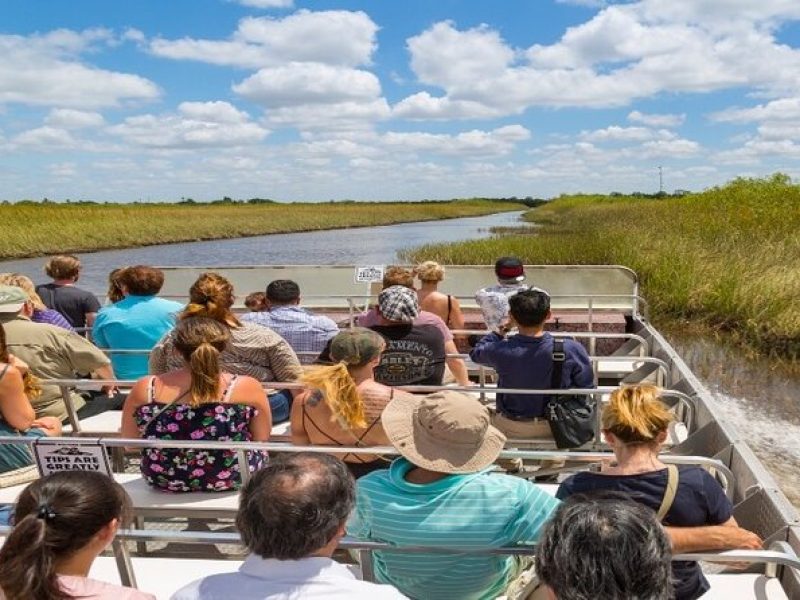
{"x": 526, "y": 362}
{"x": 70, "y": 301}
{"x": 414, "y": 355}
{"x": 270, "y": 579}
{"x": 305, "y": 332}
{"x": 52, "y": 353}
{"x": 474, "y": 511}
{"x": 134, "y": 323}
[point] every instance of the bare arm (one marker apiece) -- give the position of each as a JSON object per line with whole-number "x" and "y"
{"x": 727, "y": 536}
{"x": 299, "y": 434}
{"x": 15, "y": 407}
{"x": 136, "y": 398}
{"x": 249, "y": 391}
{"x": 106, "y": 372}
{"x": 457, "y": 365}
{"x": 456, "y": 316}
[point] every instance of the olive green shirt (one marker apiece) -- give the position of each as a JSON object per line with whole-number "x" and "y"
{"x": 51, "y": 353}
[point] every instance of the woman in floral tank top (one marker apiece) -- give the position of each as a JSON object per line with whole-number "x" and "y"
{"x": 197, "y": 402}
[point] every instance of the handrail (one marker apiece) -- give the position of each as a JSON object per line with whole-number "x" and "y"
{"x": 687, "y": 401}
{"x": 580, "y": 456}
{"x": 781, "y": 555}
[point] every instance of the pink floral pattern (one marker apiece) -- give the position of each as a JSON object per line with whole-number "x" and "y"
{"x": 183, "y": 470}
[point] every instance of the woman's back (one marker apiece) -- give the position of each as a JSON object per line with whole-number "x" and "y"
{"x": 165, "y": 414}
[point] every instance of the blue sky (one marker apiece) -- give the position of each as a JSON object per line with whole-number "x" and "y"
{"x": 319, "y": 100}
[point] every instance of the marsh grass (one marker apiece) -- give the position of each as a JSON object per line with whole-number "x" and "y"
{"x": 728, "y": 258}
{"x": 29, "y": 229}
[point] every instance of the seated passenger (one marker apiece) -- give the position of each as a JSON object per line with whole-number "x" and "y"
{"x": 41, "y": 314}
{"x": 444, "y": 306}
{"x": 525, "y": 361}
{"x": 198, "y": 401}
{"x": 53, "y": 353}
{"x": 304, "y": 331}
{"x": 256, "y": 302}
{"x": 77, "y": 305}
{"x": 137, "y": 322}
{"x": 400, "y": 276}
{"x": 343, "y": 404}
{"x": 604, "y": 547}
{"x": 115, "y": 292}
{"x": 253, "y": 350}
{"x": 17, "y": 416}
{"x": 291, "y": 517}
{"x": 635, "y": 426}
{"x": 493, "y": 300}
{"x": 62, "y": 523}
{"x": 441, "y": 493}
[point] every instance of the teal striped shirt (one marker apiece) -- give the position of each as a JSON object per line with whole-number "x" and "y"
{"x": 474, "y": 511}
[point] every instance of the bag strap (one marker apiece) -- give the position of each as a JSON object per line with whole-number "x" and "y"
{"x": 669, "y": 493}
{"x": 558, "y": 363}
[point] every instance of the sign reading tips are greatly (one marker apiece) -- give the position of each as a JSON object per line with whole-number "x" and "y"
{"x": 53, "y": 456}
{"x": 369, "y": 274}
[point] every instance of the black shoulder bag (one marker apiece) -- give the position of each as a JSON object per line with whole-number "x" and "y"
{"x": 571, "y": 418}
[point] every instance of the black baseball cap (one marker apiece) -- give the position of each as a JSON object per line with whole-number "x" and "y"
{"x": 509, "y": 268}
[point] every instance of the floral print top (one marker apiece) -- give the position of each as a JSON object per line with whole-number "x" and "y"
{"x": 185, "y": 470}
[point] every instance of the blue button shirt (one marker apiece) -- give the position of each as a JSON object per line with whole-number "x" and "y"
{"x": 134, "y": 323}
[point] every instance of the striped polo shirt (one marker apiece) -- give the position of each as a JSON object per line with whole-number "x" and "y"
{"x": 475, "y": 511}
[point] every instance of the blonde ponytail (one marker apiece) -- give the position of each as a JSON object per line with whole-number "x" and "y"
{"x": 211, "y": 296}
{"x": 340, "y": 394}
{"x": 635, "y": 414}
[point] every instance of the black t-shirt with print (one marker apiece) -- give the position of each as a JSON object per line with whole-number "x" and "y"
{"x": 699, "y": 500}
{"x": 414, "y": 355}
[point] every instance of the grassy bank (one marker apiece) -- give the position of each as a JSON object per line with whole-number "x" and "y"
{"x": 728, "y": 258}
{"x": 30, "y": 229}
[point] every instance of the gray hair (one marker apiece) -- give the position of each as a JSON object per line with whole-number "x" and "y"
{"x": 605, "y": 547}
{"x": 295, "y": 505}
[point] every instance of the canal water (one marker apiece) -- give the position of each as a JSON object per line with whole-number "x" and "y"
{"x": 760, "y": 398}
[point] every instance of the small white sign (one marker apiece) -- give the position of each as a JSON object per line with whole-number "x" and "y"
{"x": 53, "y": 456}
{"x": 369, "y": 274}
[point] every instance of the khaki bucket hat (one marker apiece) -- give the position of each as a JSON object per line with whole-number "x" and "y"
{"x": 445, "y": 432}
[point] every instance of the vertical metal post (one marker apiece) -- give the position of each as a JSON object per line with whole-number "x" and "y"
{"x": 352, "y": 311}
{"x": 72, "y": 414}
{"x": 367, "y": 565}
{"x": 124, "y": 563}
{"x": 591, "y": 313}
{"x": 244, "y": 465}
{"x": 482, "y": 382}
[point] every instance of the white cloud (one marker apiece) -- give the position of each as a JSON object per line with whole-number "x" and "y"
{"x": 341, "y": 116}
{"x": 784, "y": 109}
{"x": 615, "y": 133}
{"x": 624, "y": 52}
{"x": 68, "y": 118}
{"x": 677, "y": 148}
{"x": 197, "y": 124}
{"x": 309, "y": 83}
{"x": 336, "y": 37}
{"x": 46, "y": 69}
{"x": 266, "y": 3}
{"x": 586, "y": 3}
{"x": 656, "y": 120}
{"x": 45, "y": 138}
{"x": 497, "y": 142}
{"x": 63, "y": 170}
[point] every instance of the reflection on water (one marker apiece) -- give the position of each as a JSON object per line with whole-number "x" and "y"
{"x": 358, "y": 245}
{"x": 760, "y": 400}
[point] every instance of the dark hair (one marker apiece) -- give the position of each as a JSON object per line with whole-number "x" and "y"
{"x": 529, "y": 307}
{"x": 55, "y": 517}
{"x": 605, "y": 546}
{"x": 200, "y": 340}
{"x": 283, "y": 291}
{"x": 295, "y": 505}
{"x": 142, "y": 280}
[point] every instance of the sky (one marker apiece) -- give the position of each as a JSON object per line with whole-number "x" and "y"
{"x": 155, "y": 100}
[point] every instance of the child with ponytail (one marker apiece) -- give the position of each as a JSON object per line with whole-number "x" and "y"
{"x": 62, "y": 523}
{"x": 635, "y": 424}
{"x": 343, "y": 404}
{"x": 197, "y": 401}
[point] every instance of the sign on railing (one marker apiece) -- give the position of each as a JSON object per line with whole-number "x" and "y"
{"x": 369, "y": 274}
{"x": 75, "y": 455}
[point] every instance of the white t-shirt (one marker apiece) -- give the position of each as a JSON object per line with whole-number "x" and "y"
{"x": 270, "y": 579}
